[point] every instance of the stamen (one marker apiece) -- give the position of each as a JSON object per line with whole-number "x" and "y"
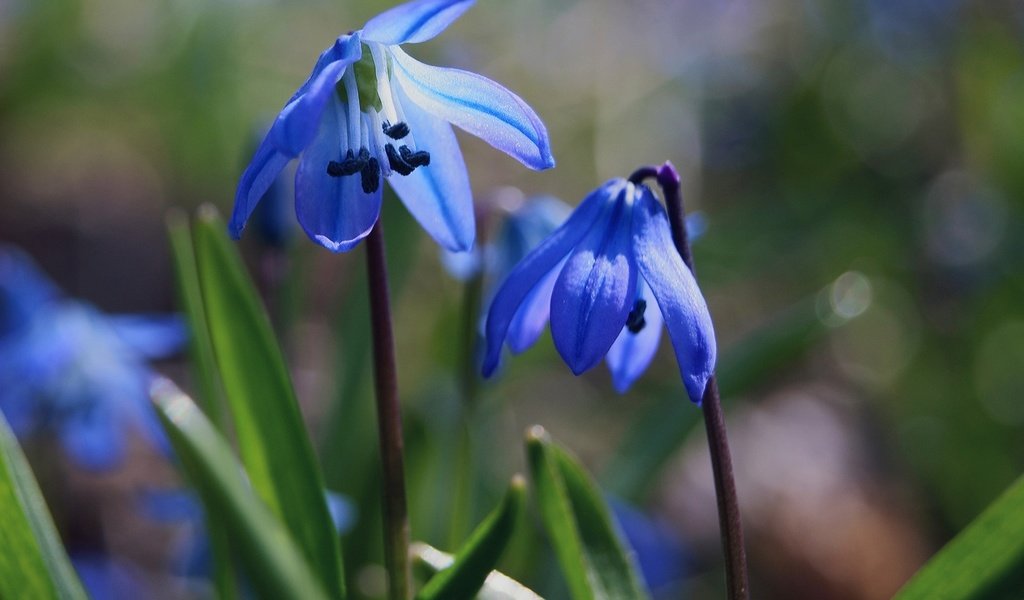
{"x": 397, "y": 131}
{"x": 635, "y": 321}
{"x": 352, "y": 93}
{"x": 370, "y": 176}
{"x": 350, "y": 165}
{"x": 420, "y": 158}
{"x": 398, "y": 164}
{"x": 380, "y": 67}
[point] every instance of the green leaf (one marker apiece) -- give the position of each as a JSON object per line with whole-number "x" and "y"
{"x": 497, "y": 586}
{"x": 33, "y": 563}
{"x": 267, "y": 551}
{"x": 272, "y": 438}
{"x": 586, "y": 539}
{"x": 190, "y": 297}
{"x": 978, "y": 560}
{"x": 481, "y": 552}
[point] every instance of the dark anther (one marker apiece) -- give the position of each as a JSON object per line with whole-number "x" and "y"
{"x": 398, "y": 164}
{"x": 635, "y": 321}
{"x": 350, "y": 165}
{"x": 420, "y": 158}
{"x": 397, "y": 131}
{"x": 370, "y": 176}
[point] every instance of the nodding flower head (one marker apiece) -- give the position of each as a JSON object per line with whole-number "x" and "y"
{"x": 613, "y": 277}
{"x": 370, "y": 112}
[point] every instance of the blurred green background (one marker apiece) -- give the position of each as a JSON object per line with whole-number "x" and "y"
{"x": 860, "y": 164}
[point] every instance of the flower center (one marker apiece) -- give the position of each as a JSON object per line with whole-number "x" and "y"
{"x": 376, "y": 140}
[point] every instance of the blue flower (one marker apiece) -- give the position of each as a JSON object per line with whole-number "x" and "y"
{"x": 614, "y": 278}
{"x": 370, "y": 111}
{"x": 70, "y": 371}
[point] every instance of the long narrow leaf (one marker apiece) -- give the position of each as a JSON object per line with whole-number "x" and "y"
{"x": 268, "y": 553}
{"x": 272, "y": 438}
{"x": 204, "y": 369}
{"x": 497, "y": 586}
{"x": 32, "y": 562}
{"x": 479, "y": 555}
{"x": 977, "y": 560}
{"x": 586, "y": 540}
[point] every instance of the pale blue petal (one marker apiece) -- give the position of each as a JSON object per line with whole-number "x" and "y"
{"x": 533, "y": 314}
{"x": 298, "y": 121}
{"x": 478, "y": 105}
{"x": 152, "y": 336}
{"x": 95, "y": 438}
{"x": 538, "y": 263}
{"x": 416, "y": 21}
{"x": 595, "y": 291}
{"x": 631, "y": 353}
{"x": 333, "y": 211}
{"x": 266, "y": 165}
{"x": 438, "y": 195}
{"x": 343, "y": 512}
{"x": 682, "y": 305}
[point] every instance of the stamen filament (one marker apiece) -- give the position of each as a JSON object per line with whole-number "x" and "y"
{"x": 380, "y": 67}
{"x": 352, "y": 91}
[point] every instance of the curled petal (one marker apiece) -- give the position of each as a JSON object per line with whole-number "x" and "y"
{"x": 538, "y": 263}
{"x": 682, "y": 305}
{"x": 478, "y": 105}
{"x": 595, "y": 291}
{"x": 297, "y": 123}
{"x": 266, "y": 165}
{"x": 334, "y": 211}
{"x": 632, "y": 352}
{"x": 416, "y": 21}
{"x": 438, "y": 195}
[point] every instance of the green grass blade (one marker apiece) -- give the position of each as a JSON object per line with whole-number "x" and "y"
{"x": 978, "y": 560}
{"x": 586, "y": 539}
{"x": 272, "y": 438}
{"x": 33, "y": 563}
{"x": 479, "y": 555}
{"x": 428, "y": 561}
{"x": 268, "y": 553}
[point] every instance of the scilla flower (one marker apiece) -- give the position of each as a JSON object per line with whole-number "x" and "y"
{"x": 370, "y": 112}
{"x": 615, "y": 278}
{"x": 70, "y": 371}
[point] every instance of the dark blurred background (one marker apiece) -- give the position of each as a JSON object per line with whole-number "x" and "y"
{"x": 860, "y": 165}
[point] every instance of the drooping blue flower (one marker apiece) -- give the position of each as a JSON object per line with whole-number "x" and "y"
{"x": 614, "y": 278}
{"x": 68, "y": 370}
{"x": 369, "y": 112}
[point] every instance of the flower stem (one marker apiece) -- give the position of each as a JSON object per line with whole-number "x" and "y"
{"x": 389, "y": 420}
{"x": 729, "y": 522}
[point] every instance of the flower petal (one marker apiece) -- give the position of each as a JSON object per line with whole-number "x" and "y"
{"x": 94, "y": 437}
{"x": 682, "y": 305}
{"x": 416, "y": 21}
{"x": 525, "y": 276}
{"x": 266, "y": 165}
{"x": 152, "y": 336}
{"x": 334, "y": 211}
{"x": 297, "y": 123}
{"x": 438, "y": 195}
{"x": 595, "y": 291}
{"x": 532, "y": 315}
{"x": 632, "y": 352}
{"x": 478, "y": 105}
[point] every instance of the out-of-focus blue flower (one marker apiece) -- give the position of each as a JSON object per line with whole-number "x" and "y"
{"x": 370, "y": 111}
{"x": 615, "y": 277}
{"x": 661, "y": 556}
{"x": 195, "y": 558}
{"x": 68, "y": 370}
{"x": 107, "y": 578}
